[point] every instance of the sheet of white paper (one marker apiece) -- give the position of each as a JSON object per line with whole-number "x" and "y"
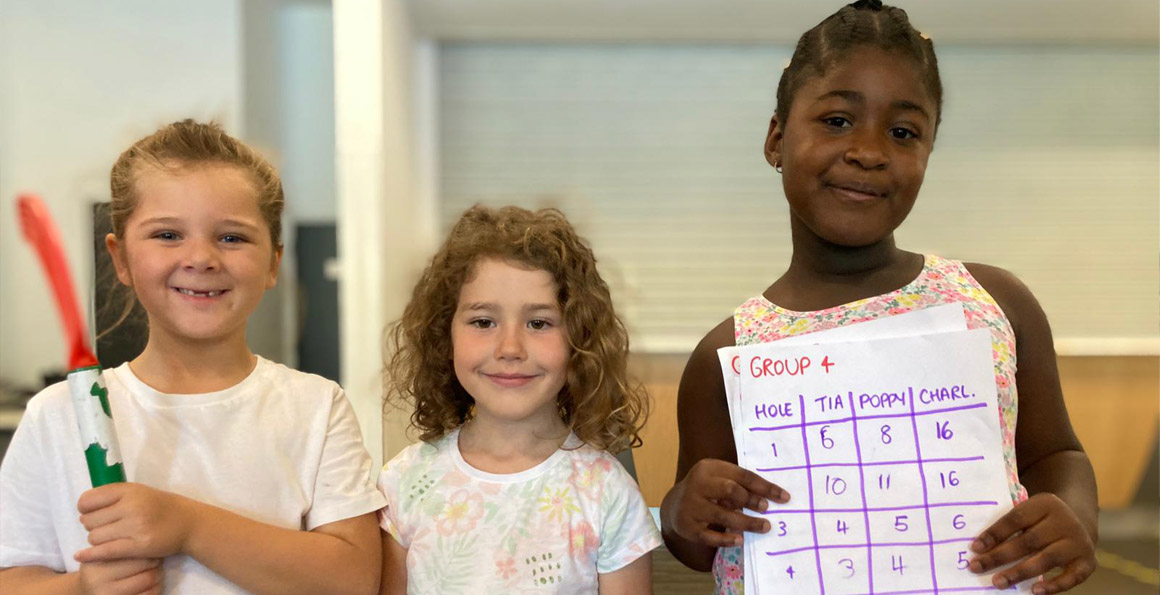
{"x": 891, "y": 451}
{"x": 937, "y": 319}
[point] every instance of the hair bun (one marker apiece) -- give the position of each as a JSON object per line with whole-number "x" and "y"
{"x": 875, "y": 5}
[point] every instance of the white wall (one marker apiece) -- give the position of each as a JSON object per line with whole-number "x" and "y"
{"x": 1047, "y": 164}
{"x": 79, "y": 82}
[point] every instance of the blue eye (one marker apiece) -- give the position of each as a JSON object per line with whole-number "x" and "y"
{"x": 232, "y": 238}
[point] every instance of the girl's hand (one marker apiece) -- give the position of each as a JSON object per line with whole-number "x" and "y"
{"x": 121, "y": 577}
{"x": 706, "y": 504}
{"x": 131, "y": 520}
{"x": 1045, "y": 533}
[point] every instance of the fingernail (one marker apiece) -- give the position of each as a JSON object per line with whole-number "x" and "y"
{"x": 762, "y": 505}
{"x": 783, "y": 497}
{"x": 765, "y": 526}
{"x": 977, "y": 545}
{"x": 1039, "y": 590}
{"x": 1001, "y": 581}
{"x": 976, "y": 566}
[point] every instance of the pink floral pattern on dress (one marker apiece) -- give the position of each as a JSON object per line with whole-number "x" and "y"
{"x": 941, "y": 281}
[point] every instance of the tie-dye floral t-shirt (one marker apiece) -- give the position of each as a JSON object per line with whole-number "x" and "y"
{"x": 941, "y": 281}
{"x": 550, "y": 529}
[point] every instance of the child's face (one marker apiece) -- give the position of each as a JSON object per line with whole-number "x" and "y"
{"x": 196, "y": 252}
{"x": 509, "y": 342}
{"x": 855, "y": 147}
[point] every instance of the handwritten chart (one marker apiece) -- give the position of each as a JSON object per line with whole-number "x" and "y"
{"x": 890, "y": 449}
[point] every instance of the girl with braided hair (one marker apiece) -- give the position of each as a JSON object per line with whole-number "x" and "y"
{"x": 857, "y": 112}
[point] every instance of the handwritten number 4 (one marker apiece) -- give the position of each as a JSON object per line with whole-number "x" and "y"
{"x": 827, "y": 364}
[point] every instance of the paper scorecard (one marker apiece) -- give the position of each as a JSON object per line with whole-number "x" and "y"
{"x": 886, "y": 435}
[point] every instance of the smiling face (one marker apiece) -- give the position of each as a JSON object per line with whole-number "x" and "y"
{"x": 196, "y": 251}
{"x": 855, "y": 147}
{"x": 510, "y": 344}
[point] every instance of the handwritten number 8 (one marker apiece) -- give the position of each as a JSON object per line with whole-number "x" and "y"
{"x": 886, "y": 438}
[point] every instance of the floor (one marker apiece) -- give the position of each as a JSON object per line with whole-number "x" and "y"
{"x": 1128, "y": 556}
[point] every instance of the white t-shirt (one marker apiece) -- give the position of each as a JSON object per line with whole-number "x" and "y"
{"x": 548, "y": 530}
{"x": 281, "y": 447}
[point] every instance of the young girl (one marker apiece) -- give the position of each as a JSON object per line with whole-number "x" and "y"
{"x": 245, "y": 475}
{"x": 515, "y": 365}
{"x": 857, "y": 112}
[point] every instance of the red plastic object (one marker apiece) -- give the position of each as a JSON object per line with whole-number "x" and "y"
{"x": 40, "y": 231}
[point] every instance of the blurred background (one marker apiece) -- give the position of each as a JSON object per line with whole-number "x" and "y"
{"x": 643, "y": 120}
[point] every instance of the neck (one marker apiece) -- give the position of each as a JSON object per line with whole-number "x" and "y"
{"x": 815, "y": 257}
{"x": 501, "y": 446}
{"x": 179, "y": 366}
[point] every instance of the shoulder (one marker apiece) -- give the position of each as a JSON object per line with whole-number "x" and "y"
{"x": 704, "y": 357}
{"x": 298, "y": 380}
{"x": 419, "y": 454}
{"x": 1012, "y": 295}
{"x": 48, "y": 407}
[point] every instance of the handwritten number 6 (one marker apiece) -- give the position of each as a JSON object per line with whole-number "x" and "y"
{"x": 827, "y": 442}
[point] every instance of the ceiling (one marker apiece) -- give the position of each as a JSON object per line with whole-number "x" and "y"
{"x": 1135, "y": 22}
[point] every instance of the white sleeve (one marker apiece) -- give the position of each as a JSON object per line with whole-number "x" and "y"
{"x": 342, "y": 488}
{"x": 627, "y": 531}
{"x": 27, "y": 531}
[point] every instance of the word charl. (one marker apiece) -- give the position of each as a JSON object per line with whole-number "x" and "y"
{"x": 788, "y": 366}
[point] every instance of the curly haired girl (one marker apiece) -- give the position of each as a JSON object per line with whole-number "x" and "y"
{"x": 514, "y": 363}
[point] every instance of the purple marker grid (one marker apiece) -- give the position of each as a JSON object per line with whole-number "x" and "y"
{"x": 865, "y": 509}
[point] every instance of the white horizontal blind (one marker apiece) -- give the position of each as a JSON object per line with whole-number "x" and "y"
{"x": 1047, "y": 163}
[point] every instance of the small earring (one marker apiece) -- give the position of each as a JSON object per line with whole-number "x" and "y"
{"x": 777, "y": 166}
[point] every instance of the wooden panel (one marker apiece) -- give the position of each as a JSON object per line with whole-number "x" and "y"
{"x": 656, "y": 459}
{"x": 1114, "y": 404}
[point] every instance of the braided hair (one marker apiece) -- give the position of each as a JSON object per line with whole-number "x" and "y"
{"x": 863, "y": 23}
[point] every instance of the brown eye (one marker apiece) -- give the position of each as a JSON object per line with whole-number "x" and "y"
{"x": 903, "y": 133}
{"x": 837, "y": 122}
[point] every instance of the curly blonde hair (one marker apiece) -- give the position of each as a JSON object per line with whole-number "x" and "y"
{"x": 598, "y": 402}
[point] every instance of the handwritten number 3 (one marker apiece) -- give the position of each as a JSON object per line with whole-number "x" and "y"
{"x": 848, "y": 564}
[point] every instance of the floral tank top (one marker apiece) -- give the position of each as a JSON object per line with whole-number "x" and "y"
{"x": 941, "y": 281}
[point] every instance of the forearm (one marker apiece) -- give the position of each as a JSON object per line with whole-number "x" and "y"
{"x": 697, "y": 556}
{"x": 265, "y": 559}
{"x": 1068, "y": 475}
{"x": 38, "y": 580}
